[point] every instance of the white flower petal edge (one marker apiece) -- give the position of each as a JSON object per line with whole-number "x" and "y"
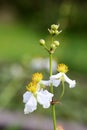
{"x": 55, "y": 82}
{"x": 55, "y": 79}
{"x": 30, "y": 102}
{"x": 44, "y": 98}
{"x": 46, "y": 83}
{"x": 26, "y": 96}
{"x": 56, "y": 76}
{"x": 71, "y": 83}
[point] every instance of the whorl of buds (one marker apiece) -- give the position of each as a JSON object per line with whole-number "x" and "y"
{"x": 54, "y": 29}
{"x": 50, "y": 48}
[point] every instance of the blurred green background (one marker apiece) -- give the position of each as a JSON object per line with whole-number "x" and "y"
{"x": 22, "y": 24}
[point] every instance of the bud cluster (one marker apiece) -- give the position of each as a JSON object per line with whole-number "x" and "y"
{"x": 54, "y": 29}
{"x": 54, "y": 43}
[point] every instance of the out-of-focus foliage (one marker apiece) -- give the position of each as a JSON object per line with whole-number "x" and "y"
{"x": 71, "y": 14}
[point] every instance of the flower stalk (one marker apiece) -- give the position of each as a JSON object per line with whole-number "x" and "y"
{"x": 63, "y": 89}
{"x": 51, "y": 90}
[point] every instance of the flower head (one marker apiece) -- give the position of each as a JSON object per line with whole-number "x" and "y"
{"x": 35, "y": 94}
{"x": 62, "y": 68}
{"x": 32, "y": 87}
{"x": 37, "y": 77}
{"x": 61, "y": 76}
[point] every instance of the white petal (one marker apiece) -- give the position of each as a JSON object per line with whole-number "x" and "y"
{"x": 26, "y": 96}
{"x": 46, "y": 83}
{"x": 55, "y": 82}
{"x": 56, "y": 76}
{"x": 31, "y": 105}
{"x": 44, "y": 98}
{"x": 72, "y": 83}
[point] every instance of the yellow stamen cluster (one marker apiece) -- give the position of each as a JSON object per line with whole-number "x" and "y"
{"x": 62, "y": 68}
{"x": 32, "y": 87}
{"x": 37, "y": 77}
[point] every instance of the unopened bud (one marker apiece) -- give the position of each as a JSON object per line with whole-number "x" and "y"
{"x": 56, "y": 43}
{"x": 53, "y": 46}
{"x": 54, "y": 27}
{"x": 51, "y": 31}
{"x": 56, "y": 32}
{"x": 42, "y": 42}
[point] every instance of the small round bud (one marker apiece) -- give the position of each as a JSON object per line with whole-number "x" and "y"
{"x": 52, "y": 32}
{"x": 54, "y": 27}
{"x": 42, "y": 42}
{"x": 56, "y": 43}
{"x": 56, "y": 32}
{"x": 52, "y": 49}
{"x": 53, "y": 46}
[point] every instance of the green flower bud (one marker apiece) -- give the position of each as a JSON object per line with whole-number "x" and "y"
{"x": 53, "y": 46}
{"x": 54, "y": 27}
{"x": 51, "y": 31}
{"x": 56, "y": 32}
{"x": 56, "y": 43}
{"x": 52, "y": 49}
{"x": 42, "y": 42}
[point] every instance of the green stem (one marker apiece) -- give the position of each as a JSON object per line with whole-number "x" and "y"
{"x": 46, "y": 48}
{"x": 62, "y": 90}
{"x": 51, "y": 90}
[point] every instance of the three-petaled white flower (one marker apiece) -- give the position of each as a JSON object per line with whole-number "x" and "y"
{"x": 35, "y": 94}
{"x": 61, "y": 76}
{"x": 43, "y": 97}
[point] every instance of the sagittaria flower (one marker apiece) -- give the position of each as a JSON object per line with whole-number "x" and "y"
{"x": 61, "y": 76}
{"x": 35, "y": 95}
{"x": 37, "y": 77}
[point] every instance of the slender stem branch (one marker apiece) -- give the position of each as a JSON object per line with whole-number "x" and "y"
{"x": 46, "y": 48}
{"x": 62, "y": 90}
{"x": 51, "y": 87}
{"x": 51, "y": 90}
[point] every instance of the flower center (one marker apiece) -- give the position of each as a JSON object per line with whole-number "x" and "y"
{"x": 37, "y": 77}
{"x": 32, "y": 87}
{"x": 62, "y": 68}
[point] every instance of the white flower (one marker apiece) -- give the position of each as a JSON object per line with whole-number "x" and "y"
{"x": 35, "y": 94}
{"x": 56, "y": 79}
{"x": 43, "y": 97}
{"x": 61, "y": 76}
